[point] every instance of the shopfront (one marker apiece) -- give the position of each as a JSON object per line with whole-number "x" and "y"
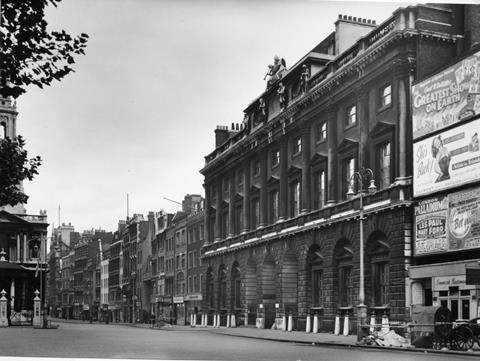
{"x": 444, "y": 284}
{"x": 179, "y": 310}
{"x": 192, "y": 305}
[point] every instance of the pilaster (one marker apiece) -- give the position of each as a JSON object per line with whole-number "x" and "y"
{"x": 332, "y": 154}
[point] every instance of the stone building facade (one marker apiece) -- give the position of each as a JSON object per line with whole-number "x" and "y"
{"x": 282, "y": 228}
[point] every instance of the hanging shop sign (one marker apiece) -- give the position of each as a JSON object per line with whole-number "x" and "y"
{"x": 178, "y": 299}
{"x": 443, "y": 283}
{"x": 448, "y": 97}
{"x": 448, "y": 223}
{"x": 447, "y": 160}
{"x": 194, "y": 297}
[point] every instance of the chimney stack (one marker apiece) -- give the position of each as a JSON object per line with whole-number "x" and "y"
{"x": 221, "y": 135}
{"x": 348, "y": 29}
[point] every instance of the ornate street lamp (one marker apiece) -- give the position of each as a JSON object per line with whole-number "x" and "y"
{"x": 362, "y": 175}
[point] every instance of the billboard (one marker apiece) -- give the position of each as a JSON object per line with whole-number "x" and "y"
{"x": 447, "y": 160}
{"x": 447, "y": 98}
{"x": 431, "y": 225}
{"x": 448, "y": 223}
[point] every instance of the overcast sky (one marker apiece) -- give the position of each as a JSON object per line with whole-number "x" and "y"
{"x": 139, "y": 113}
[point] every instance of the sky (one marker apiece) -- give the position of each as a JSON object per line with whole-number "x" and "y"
{"x": 138, "y": 114}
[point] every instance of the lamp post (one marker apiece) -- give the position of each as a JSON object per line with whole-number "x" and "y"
{"x": 362, "y": 175}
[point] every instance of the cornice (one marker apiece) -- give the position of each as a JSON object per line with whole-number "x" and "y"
{"x": 326, "y": 85}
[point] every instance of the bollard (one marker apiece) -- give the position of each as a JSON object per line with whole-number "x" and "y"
{"x": 194, "y": 320}
{"x": 37, "y": 317}
{"x": 372, "y": 323}
{"x": 337, "y": 325}
{"x": 346, "y": 326}
{"x": 315, "y": 323}
{"x": 308, "y": 326}
{"x": 385, "y": 325}
{"x": 3, "y": 309}
{"x": 408, "y": 336}
{"x": 228, "y": 320}
{"x": 290, "y": 323}
{"x": 233, "y": 323}
{"x": 284, "y": 323}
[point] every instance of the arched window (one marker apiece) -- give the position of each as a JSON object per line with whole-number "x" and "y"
{"x": 343, "y": 258}
{"x": 210, "y": 288}
{"x": 315, "y": 275}
{"x": 378, "y": 258}
{"x": 222, "y": 286}
{"x": 236, "y": 286}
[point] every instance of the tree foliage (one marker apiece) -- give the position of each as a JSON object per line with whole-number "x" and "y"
{"x": 31, "y": 54}
{"x": 14, "y": 168}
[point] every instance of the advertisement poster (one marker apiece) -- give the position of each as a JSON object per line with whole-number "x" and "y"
{"x": 447, "y": 160}
{"x": 431, "y": 225}
{"x": 464, "y": 220}
{"x": 448, "y": 97}
{"x": 448, "y": 223}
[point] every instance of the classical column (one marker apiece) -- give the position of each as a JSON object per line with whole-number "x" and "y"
{"x": 218, "y": 212}
{"x": 263, "y": 189}
{"x": 18, "y": 247}
{"x": 283, "y": 211}
{"x": 25, "y": 249}
{"x": 207, "y": 214}
{"x": 231, "y": 206}
{"x": 246, "y": 197}
{"x": 363, "y": 127}
{"x": 306, "y": 190}
{"x": 401, "y": 70}
{"x": 332, "y": 154}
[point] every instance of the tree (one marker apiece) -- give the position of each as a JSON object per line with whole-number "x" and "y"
{"x": 30, "y": 54}
{"x": 14, "y": 168}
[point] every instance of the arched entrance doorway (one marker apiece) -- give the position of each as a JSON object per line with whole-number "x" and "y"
{"x": 269, "y": 289}
{"x": 251, "y": 291}
{"x": 289, "y": 283}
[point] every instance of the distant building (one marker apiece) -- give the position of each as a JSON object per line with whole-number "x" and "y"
{"x": 179, "y": 222}
{"x": 115, "y": 275}
{"x": 23, "y": 244}
{"x": 195, "y": 269}
{"x": 162, "y": 271}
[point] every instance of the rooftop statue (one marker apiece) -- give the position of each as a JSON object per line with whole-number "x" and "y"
{"x": 304, "y": 76}
{"x": 275, "y": 71}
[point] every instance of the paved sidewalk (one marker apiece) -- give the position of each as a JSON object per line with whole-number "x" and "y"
{"x": 319, "y": 339}
{"x": 293, "y": 336}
